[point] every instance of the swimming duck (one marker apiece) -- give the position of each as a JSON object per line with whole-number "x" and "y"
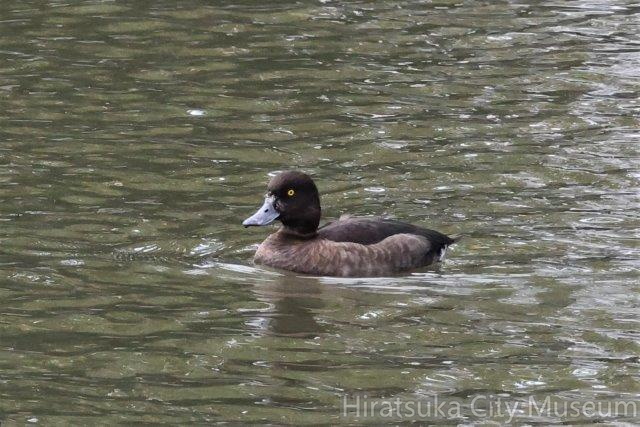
{"x": 348, "y": 247}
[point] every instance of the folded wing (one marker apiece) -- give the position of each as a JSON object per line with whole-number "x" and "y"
{"x": 370, "y": 230}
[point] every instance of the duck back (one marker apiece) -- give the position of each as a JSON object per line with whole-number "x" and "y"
{"x": 371, "y": 230}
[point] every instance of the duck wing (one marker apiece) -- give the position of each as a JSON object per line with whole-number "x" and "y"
{"x": 371, "y": 230}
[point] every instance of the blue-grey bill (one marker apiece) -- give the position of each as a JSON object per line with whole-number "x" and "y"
{"x": 265, "y": 215}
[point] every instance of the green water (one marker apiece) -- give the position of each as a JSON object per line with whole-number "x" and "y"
{"x": 135, "y": 137}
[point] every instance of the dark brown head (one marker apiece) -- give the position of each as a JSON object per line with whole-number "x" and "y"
{"x": 292, "y": 198}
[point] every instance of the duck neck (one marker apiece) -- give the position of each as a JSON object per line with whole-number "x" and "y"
{"x": 302, "y": 225}
{"x": 298, "y": 234}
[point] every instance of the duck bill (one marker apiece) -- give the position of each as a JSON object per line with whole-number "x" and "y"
{"x": 265, "y": 215}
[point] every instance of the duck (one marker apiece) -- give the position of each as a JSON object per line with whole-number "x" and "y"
{"x": 351, "y": 246}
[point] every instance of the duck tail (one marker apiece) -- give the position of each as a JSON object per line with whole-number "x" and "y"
{"x": 455, "y": 238}
{"x": 443, "y": 249}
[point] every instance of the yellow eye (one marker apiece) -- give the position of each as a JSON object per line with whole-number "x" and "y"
{"x": 290, "y": 193}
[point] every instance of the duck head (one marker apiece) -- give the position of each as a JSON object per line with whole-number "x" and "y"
{"x": 292, "y": 197}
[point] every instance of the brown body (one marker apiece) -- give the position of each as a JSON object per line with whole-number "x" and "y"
{"x": 322, "y": 257}
{"x": 349, "y": 247}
